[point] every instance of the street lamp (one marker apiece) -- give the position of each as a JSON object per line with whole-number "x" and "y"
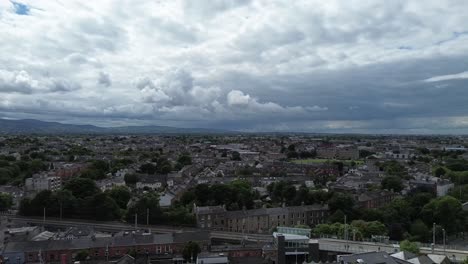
{"x": 443, "y": 232}
{"x": 296, "y": 255}
{"x": 433, "y": 236}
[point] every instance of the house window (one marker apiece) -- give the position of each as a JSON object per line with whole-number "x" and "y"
{"x": 158, "y": 249}
{"x": 96, "y": 253}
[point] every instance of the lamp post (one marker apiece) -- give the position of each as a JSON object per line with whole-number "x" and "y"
{"x": 346, "y": 233}
{"x": 147, "y": 216}
{"x": 136, "y": 221}
{"x": 443, "y": 233}
{"x": 433, "y": 236}
{"x": 296, "y": 255}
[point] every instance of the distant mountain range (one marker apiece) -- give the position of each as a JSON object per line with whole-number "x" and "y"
{"x": 32, "y": 126}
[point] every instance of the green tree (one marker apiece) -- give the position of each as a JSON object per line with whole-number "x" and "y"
{"x": 235, "y": 156}
{"x": 148, "y": 168}
{"x": 37, "y": 166}
{"x": 180, "y": 215}
{"x": 409, "y": 246}
{"x": 130, "y": 179}
{"x": 148, "y": 202}
{"x": 190, "y": 251}
{"x": 25, "y": 207}
{"x": 397, "y": 211}
{"x": 121, "y": 195}
{"x": 439, "y": 172}
{"x": 392, "y": 183}
{"x": 5, "y": 176}
{"x": 82, "y": 187}
{"x": 337, "y": 216}
{"x": 6, "y": 201}
{"x": 81, "y": 255}
{"x": 419, "y": 231}
{"x": 343, "y": 202}
{"x": 289, "y": 193}
{"x": 365, "y": 153}
{"x": 184, "y": 160}
{"x": 100, "y": 165}
{"x": 94, "y": 174}
{"x": 445, "y": 211}
{"x": 104, "y": 208}
{"x": 164, "y": 166}
{"x": 375, "y": 228}
{"x": 67, "y": 202}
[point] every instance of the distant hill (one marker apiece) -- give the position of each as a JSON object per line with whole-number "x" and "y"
{"x": 32, "y": 126}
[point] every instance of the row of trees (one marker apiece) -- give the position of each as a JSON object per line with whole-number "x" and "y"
{"x": 357, "y": 230}
{"x": 15, "y": 171}
{"x": 162, "y": 165}
{"x": 411, "y": 217}
{"x": 285, "y": 192}
{"x": 81, "y": 198}
{"x": 292, "y": 153}
{"x": 235, "y": 195}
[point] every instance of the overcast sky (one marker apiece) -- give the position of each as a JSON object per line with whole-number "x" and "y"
{"x": 318, "y": 66}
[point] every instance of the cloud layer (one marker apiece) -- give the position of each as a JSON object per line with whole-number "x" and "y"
{"x": 333, "y": 66}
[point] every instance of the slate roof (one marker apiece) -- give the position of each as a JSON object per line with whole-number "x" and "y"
{"x": 370, "y": 258}
{"x": 86, "y": 243}
{"x": 404, "y": 255}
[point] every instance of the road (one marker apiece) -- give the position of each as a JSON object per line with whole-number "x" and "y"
{"x": 337, "y": 245}
{"x": 116, "y": 227}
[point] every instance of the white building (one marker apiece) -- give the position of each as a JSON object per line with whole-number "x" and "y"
{"x": 108, "y": 184}
{"x": 166, "y": 199}
{"x": 42, "y": 182}
{"x": 151, "y": 181}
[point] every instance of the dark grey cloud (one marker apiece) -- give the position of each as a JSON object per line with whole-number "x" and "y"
{"x": 104, "y": 79}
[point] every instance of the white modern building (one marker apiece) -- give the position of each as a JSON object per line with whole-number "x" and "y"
{"x": 41, "y": 182}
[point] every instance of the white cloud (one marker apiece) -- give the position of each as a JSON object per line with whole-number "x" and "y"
{"x": 22, "y": 82}
{"x": 457, "y": 76}
{"x": 238, "y": 98}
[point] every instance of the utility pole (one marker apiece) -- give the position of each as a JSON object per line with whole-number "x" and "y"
{"x": 43, "y": 219}
{"x": 433, "y": 236}
{"x": 443, "y": 232}
{"x": 147, "y": 216}
{"x": 60, "y": 211}
{"x": 346, "y": 233}
{"x": 107, "y": 252}
{"x": 136, "y": 221}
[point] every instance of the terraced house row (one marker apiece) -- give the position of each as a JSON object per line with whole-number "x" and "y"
{"x": 262, "y": 220}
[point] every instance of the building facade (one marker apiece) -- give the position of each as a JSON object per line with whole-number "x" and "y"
{"x": 261, "y": 220}
{"x": 42, "y": 182}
